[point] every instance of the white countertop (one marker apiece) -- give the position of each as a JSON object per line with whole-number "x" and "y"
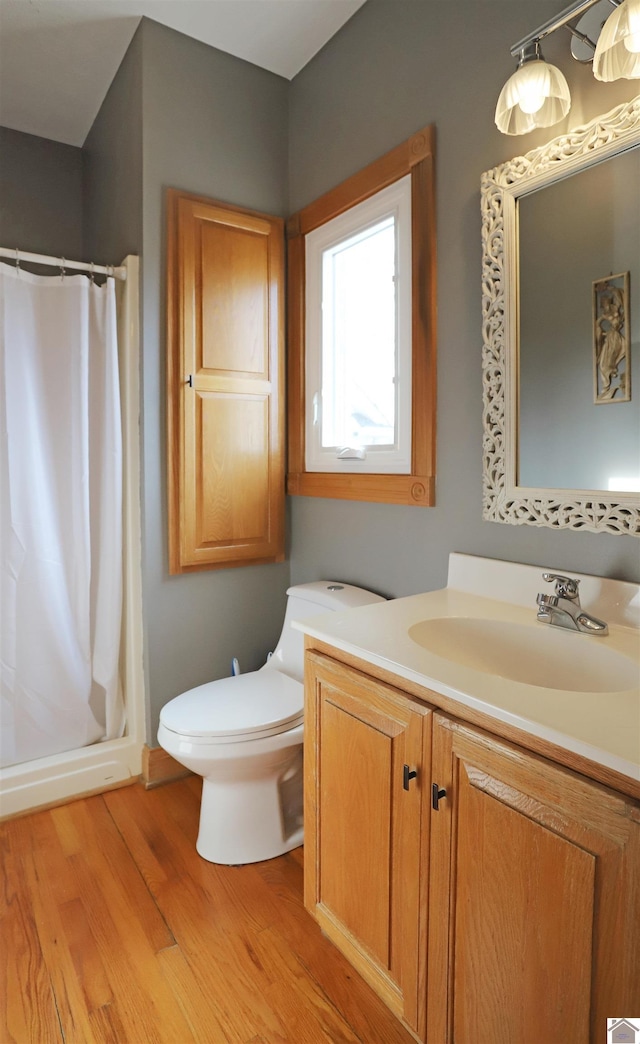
{"x": 601, "y": 726}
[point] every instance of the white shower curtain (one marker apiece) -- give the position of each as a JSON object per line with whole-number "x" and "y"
{"x": 61, "y": 515}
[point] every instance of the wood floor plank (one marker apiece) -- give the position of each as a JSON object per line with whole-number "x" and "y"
{"x": 41, "y": 840}
{"x": 27, "y": 1003}
{"x": 264, "y": 895}
{"x": 199, "y": 1008}
{"x": 65, "y": 819}
{"x": 125, "y": 930}
{"x": 56, "y": 954}
{"x": 102, "y": 856}
{"x": 85, "y": 954}
{"x": 122, "y": 954}
{"x": 107, "y": 1026}
{"x": 302, "y": 1005}
{"x": 199, "y": 904}
{"x": 154, "y": 831}
{"x": 232, "y": 973}
{"x": 118, "y": 932}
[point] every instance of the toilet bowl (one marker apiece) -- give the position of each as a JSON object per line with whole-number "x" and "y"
{"x": 244, "y": 736}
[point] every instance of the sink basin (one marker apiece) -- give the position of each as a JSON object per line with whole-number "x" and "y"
{"x": 533, "y": 655}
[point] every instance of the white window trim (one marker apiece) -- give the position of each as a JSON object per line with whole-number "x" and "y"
{"x": 394, "y": 200}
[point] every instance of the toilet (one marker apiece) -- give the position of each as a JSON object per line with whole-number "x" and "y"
{"x": 244, "y": 736}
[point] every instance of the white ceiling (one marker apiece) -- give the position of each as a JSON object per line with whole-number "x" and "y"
{"x": 58, "y": 57}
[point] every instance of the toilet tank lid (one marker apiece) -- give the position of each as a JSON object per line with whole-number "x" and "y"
{"x": 333, "y": 594}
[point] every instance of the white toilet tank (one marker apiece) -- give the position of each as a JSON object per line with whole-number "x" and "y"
{"x": 303, "y": 601}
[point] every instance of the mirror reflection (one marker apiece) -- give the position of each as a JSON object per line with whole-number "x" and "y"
{"x": 579, "y": 330}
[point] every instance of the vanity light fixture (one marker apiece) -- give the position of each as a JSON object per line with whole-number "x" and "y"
{"x": 617, "y": 53}
{"x": 537, "y": 95}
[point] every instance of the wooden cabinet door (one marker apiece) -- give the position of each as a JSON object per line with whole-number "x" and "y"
{"x": 534, "y": 915}
{"x": 225, "y": 385}
{"x": 365, "y": 840}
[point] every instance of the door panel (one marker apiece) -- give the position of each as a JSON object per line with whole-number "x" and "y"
{"x": 234, "y": 323}
{"x": 533, "y": 886}
{"x": 365, "y": 854}
{"x": 356, "y": 768}
{"x": 523, "y": 926}
{"x": 225, "y": 385}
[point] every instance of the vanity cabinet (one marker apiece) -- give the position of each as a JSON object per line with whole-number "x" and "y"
{"x": 509, "y": 912}
{"x": 367, "y": 751}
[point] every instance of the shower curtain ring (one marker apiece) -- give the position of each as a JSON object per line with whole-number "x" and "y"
{"x": 17, "y": 261}
{"x": 62, "y": 269}
{"x": 91, "y": 275}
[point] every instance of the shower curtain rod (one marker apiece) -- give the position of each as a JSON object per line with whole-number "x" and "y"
{"x": 62, "y": 263}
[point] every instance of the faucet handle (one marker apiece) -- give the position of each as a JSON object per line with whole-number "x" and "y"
{"x": 566, "y": 586}
{"x": 547, "y": 601}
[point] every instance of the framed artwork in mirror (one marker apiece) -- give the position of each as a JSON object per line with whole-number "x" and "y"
{"x": 611, "y": 339}
{"x": 559, "y": 333}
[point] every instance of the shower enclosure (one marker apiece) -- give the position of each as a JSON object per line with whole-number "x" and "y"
{"x": 71, "y": 718}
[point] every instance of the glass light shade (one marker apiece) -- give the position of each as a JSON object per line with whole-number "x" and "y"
{"x": 537, "y": 95}
{"x": 617, "y": 53}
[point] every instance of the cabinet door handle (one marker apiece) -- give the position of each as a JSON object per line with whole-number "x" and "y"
{"x": 407, "y": 774}
{"x": 436, "y": 794}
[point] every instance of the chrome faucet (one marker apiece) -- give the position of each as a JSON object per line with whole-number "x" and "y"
{"x": 562, "y": 609}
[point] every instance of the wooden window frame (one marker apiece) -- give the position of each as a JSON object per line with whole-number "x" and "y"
{"x": 416, "y": 156}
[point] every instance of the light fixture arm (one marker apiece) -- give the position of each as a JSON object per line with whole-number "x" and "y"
{"x": 586, "y": 40}
{"x": 574, "y": 10}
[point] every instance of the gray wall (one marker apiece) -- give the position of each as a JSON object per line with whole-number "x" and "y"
{"x": 112, "y": 167}
{"x": 216, "y": 126}
{"x": 184, "y": 115}
{"x": 395, "y": 67}
{"x": 40, "y": 195}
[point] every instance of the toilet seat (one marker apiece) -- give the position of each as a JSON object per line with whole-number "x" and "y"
{"x": 244, "y": 707}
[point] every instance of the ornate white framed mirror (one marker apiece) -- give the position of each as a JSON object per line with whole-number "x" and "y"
{"x": 561, "y": 331}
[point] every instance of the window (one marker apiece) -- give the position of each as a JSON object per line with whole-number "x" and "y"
{"x": 362, "y": 334}
{"x": 358, "y": 337}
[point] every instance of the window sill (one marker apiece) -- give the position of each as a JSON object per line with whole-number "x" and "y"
{"x": 415, "y": 490}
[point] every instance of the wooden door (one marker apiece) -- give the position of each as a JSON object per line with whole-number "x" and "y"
{"x": 365, "y": 844}
{"x": 225, "y": 385}
{"x": 534, "y": 899}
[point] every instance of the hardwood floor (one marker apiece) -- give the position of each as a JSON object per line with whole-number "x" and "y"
{"x": 114, "y": 930}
